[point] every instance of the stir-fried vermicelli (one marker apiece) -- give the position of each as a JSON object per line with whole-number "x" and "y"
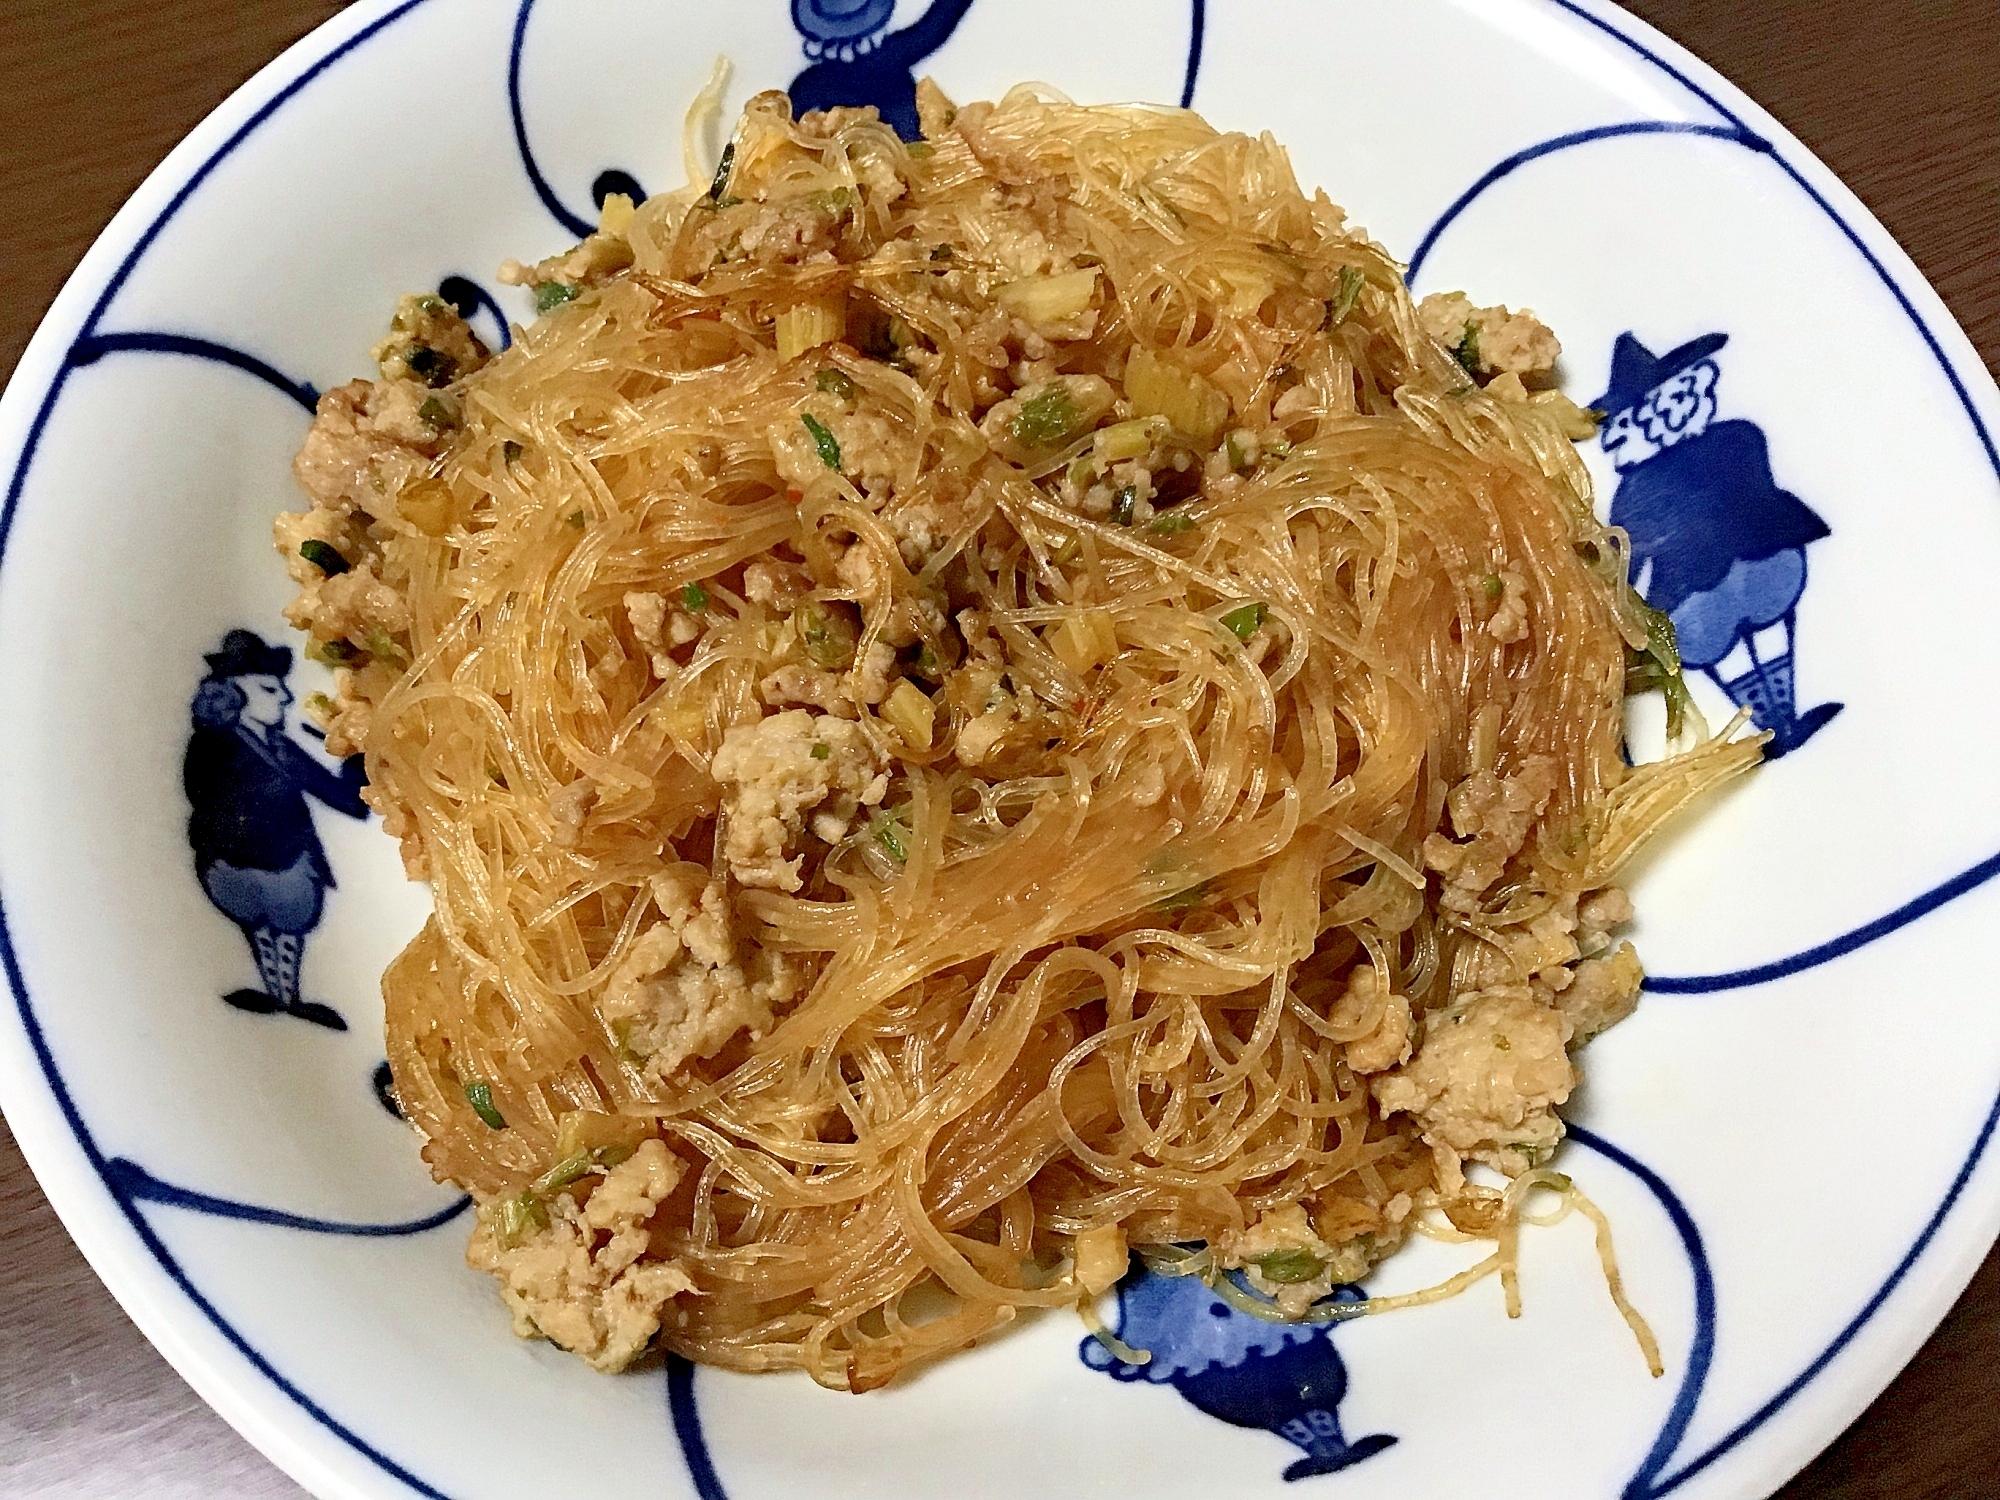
{"x": 970, "y": 707}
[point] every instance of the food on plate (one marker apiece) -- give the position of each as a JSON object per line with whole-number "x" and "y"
{"x": 970, "y": 707}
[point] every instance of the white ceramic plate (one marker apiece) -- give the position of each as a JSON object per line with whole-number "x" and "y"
{"x": 1790, "y": 1135}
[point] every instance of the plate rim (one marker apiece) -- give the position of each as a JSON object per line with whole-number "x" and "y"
{"x": 297, "y": 1433}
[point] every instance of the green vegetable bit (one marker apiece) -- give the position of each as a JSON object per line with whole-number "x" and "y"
{"x": 434, "y": 366}
{"x": 549, "y": 295}
{"x": 1345, "y": 294}
{"x": 334, "y": 653}
{"x": 835, "y": 383}
{"x": 820, "y": 750}
{"x": 383, "y": 645}
{"x": 1491, "y": 586}
{"x": 1172, "y": 523}
{"x": 323, "y": 556}
{"x": 890, "y": 833}
{"x": 1047, "y": 418}
{"x": 1658, "y": 665}
{"x": 719, "y": 184}
{"x": 509, "y": 451}
{"x": 1289, "y": 1267}
{"x": 828, "y": 634}
{"x": 1467, "y": 352}
{"x": 1185, "y": 900}
{"x": 1122, "y": 503}
{"x": 824, "y": 442}
{"x": 920, "y": 149}
{"x": 520, "y": 1216}
{"x": 694, "y": 597}
{"x": 479, "y": 1095}
{"x": 562, "y": 1174}
{"x": 436, "y": 415}
{"x": 574, "y": 520}
{"x": 1245, "y": 621}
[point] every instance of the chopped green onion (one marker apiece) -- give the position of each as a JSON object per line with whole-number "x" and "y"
{"x": 1491, "y": 586}
{"x": 820, "y": 750}
{"x": 1467, "y": 352}
{"x": 1233, "y": 452}
{"x": 1501, "y": 1044}
{"x": 828, "y": 635}
{"x": 1122, "y": 503}
{"x": 1289, "y": 1267}
{"x": 719, "y": 184}
{"x": 1346, "y": 294}
{"x": 1185, "y": 900}
{"x": 1047, "y": 418}
{"x": 436, "y": 415}
{"x": 562, "y": 1174}
{"x": 549, "y": 295}
{"x": 920, "y": 149}
{"x": 520, "y": 1216}
{"x": 835, "y": 383}
{"x": 380, "y": 643}
{"x": 509, "y": 451}
{"x": 891, "y": 835}
{"x": 1658, "y": 665}
{"x": 942, "y": 252}
{"x": 827, "y": 445}
{"x": 480, "y": 1096}
{"x": 1245, "y": 621}
{"x": 574, "y": 520}
{"x": 320, "y": 706}
{"x": 830, "y": 200}
{"x": 323, "y": 556}
{"x": 694, "y": 597}
{"x": 1171, "y": 523}
{"x": 334, "y": 653}
{"x": 433, "y": 365}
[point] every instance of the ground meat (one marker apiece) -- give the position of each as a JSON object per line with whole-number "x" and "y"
{"x": 1284, "y": 1239}
{"x": 353, "y": 606}
{"x": 1389, "y": 1042}
{"x": 1495, "y": 815}
{"x": 1486, "y": 1078}
{"x": 868, "y": 446}
{"x": 1491, "y": 340}
{"x": 365, "y": 443}
{"x": 1089, "y": 398}
{"x": 568, "y": 807}
{"x": 791, "y": 231}
{"x": 793, "y": 683}
{"x": 689, "y": 984}
{"x": 875, "y": 674}
{"x": 428, "y": 343}
{"x": 772, "y": 782}
{"x": 1603, "y": 992}
{"x": 1509, "y": 620}
{"x": 581, "y": 1281}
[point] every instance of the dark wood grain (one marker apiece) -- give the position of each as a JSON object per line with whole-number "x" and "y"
{"x": 1900, "y": 97}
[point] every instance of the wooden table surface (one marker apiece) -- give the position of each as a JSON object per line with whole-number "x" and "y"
{"x": 1900, "y": 97}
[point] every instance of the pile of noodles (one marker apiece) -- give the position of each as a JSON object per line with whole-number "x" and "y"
{"x": 1074, "y": 1001}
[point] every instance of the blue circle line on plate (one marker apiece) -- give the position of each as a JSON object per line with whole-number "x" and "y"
{"x": 575, "y": 225}
{"x": 93, "y": 347}
{"x": 1701, "y": 1348}
{"x": 133, "y": 1182}
{"x": 123, "y": 272}
{"x": 687, "y": 1429}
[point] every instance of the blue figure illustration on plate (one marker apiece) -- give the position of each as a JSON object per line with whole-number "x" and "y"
{"x": 1716, "y": 544}
{"x": 857, "y": 60}
{"x": 1285, "y": 1378}
{"x": 256, "y": 853}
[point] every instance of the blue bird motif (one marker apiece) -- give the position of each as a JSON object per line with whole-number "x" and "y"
{"x": 1285, "y": 1378}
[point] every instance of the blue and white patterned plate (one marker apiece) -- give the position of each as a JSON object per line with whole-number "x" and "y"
{"x": 1791, "y": 1135}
